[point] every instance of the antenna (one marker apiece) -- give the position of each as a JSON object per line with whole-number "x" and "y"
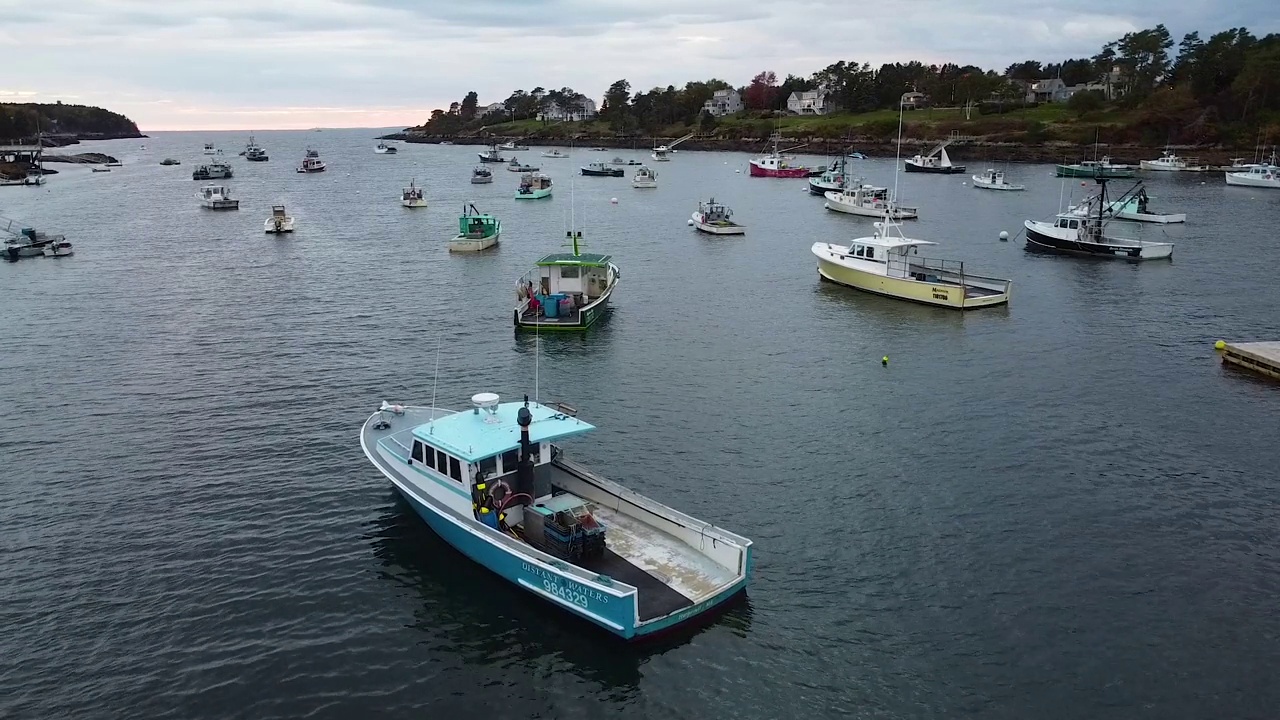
{"x": 537, "y": 337}
{"x": 435, "y": 381}
{"x": 897, "y": 162}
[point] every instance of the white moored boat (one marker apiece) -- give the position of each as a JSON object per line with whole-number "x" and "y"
{"x": 311, "y": 165}
{"x": 868, "y": 201}
{"x": 385, "y": 149}
{"x": 1258, "y": 176}
{"x": 209, "y": 149}
{"x": 889, "y": 264}
{"x": 411, "y": 197}
{"x": 1082, "y": 231}
{"x": 555, "y": 154}
{"x": 511, "y": 145}
{"x": 493, "y": 483}
{"x": 936, "y": 162}
{"x": 1169, "y": 162}
{"x": 994, "y": 179}
{"x": 279, "y": 223}
{"x": 644, "y": 178}
{"x": 714, "y": 218}
{"x": 661, "y": 153}
{"x": 217, "y": 197}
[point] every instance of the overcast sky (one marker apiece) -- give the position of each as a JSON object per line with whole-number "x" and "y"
{"x": 264, "y": 64}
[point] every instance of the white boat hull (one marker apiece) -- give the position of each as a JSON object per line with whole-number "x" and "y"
{"x": 277, "y": 227}
{"x": 644, "y": 183}
{"x": 1245, "y": 180}
{"x": 1162, "y": 218}
{"x": 838, "y": 203}
{"x": 982, "y": 184}
{"x": 414, "y": 203}
{"x": 717, "y": 229}
{"x": 463, "y": 244}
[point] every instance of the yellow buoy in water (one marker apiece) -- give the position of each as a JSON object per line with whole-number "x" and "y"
{"x": 885, "y": 361}
{"x": 1219, "y": 345}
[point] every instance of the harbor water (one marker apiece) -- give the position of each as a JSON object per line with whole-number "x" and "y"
{"x": 1061, "y": 508}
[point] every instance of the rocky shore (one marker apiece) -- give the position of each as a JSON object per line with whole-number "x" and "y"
{"x": 971, "y": 152}
{"x": 81, "y": 158}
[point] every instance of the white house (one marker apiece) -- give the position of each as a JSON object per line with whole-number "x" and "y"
{"x": 494, "y": 108}
{"x": 723, "y": 102}
{"x": 553, "y": 111}
{"x": 1049, "y": 90}
{"x": 914, "y": 100}
{"x": 810, "y": 102}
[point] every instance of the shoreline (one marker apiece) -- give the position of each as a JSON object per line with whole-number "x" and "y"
{"x": 972, "y": 152}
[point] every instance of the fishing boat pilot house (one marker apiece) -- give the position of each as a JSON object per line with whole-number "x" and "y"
{"x": 509, "y": 475}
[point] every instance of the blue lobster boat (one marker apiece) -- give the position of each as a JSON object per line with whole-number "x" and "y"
{"x": 492, "y": 482}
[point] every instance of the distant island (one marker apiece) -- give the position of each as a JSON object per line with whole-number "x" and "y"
{"x": 60, "y": 124}
{"x": 1219, "y": 94}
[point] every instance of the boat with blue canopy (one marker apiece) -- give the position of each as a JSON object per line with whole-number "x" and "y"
{"x": 493, "y": 482}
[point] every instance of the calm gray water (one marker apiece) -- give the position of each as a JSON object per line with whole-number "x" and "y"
{"x": 1065, "y": 508}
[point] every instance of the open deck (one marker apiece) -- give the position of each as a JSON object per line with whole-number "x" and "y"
{"x": 1261, "y": 357}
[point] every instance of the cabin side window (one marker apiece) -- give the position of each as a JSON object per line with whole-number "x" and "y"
{"x": 510, "y": 459}
{"x": 568, "y": 272}
{"x": 1074, "y": 224}
{"x": 871, "y": 253}
{"x": 417, "y": 451}
{"x": 455, "y": 468}
{"x": 488, "y": 466}
{"x": 442, "y": 461}
{"x": 857, "y": 251}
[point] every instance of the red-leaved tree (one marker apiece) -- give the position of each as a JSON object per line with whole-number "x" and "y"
{"x": 761, "y": 91}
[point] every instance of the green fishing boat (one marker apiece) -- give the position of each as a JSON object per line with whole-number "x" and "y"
{"x": 476, "y": 231}
{"x": 533, "y": 186}
{"x": 1095, "y": 169}
{"x": 565, "y": 291}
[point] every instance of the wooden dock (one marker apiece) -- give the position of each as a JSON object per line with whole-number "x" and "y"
{"x": 1261, "y": 357}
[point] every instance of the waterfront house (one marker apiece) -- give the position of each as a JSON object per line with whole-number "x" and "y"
{"x": 810, "y": 102}
{"x": 914, "y": 100}
{"x": 723, "y": 102}
{"x": 585, "y": 110}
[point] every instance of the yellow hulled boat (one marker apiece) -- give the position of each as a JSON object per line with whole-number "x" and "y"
{"x": 889, "y": 264}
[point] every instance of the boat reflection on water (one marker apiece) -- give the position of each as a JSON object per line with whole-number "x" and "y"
{"x": 469, "y": 611}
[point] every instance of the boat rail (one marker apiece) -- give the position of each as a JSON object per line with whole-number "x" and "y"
{"x": 925, "y": 268}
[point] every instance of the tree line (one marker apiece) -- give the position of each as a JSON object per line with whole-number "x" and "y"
{"x": 21, "y": 121}
{"x": 1206, "y": 91}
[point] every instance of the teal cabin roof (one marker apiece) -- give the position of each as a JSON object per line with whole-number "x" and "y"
{"x": 468, "y": 435}
{"x": 588, "y": 259}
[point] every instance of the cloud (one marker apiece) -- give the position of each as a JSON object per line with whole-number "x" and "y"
{"x": 302, "y": 63}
